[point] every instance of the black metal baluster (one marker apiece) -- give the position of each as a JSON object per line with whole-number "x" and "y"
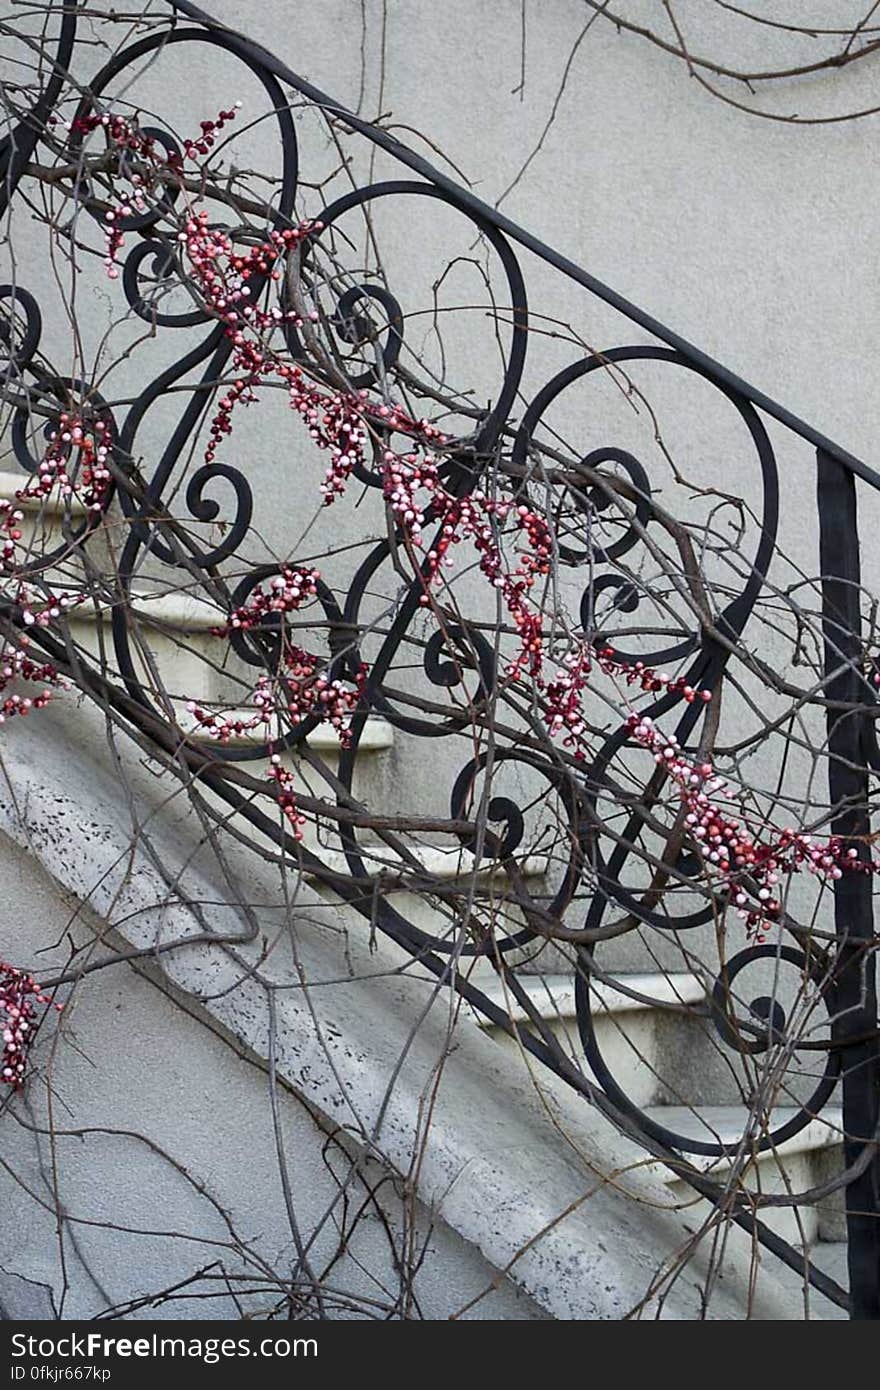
{"x": 855, "y": 1000}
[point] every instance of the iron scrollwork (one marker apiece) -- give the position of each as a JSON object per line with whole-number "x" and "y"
{"x": 608, "y": 511}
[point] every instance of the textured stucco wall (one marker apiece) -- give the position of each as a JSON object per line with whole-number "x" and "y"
{"x": 750, "y": 237}
{"x": 754, "y": 239}
{"x": 139, "y": 1086}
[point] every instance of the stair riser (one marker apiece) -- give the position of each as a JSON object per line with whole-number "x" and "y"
{"x": 831, "y": 1212}
{"x": 631, "y": 1044}
{"x": 795, "y": 1172}
{"x": 371, "y": 784}
{"x": 659, "y": 1057}
{"x": 185, "y": 662}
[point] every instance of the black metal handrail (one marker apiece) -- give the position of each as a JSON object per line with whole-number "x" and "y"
{"x": 847, "y": 694}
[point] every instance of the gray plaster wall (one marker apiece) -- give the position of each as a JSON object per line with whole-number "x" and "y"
{"x": 751, "y": 238}
{"x": 754, "y": 239}
{"x": 141, "y": 1121}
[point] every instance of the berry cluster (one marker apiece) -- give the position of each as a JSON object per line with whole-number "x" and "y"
{"x": 209, "y": 130}
{"x": 340, "y": 423}
{"x": 476, "y": 518}
{"x": 285, "y": 593}
{"x": 15, "y": 664}
{"x": 223, "y": 274}
{"x": 11, "y": 518}
{"x": 119, "y": 131}
{"x": 92, "y": 482}
{"x": 286, "y": 797}
{"x": 348, "y": 425}
{"x": 125, "y": 137}
{"x": 303, "y": 693}
{"x": 19, "y": 993}
{"x": 564, "y": 693}
{"x": 90, "y": 487}
{"x": 299, "y": 692}
{"x": 224, "y": 280}
{"x": 729, "y": 848}
{"x": 38, "y": 606}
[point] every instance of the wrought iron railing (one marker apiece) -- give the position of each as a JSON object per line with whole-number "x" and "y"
{"x": 599, "y": 510}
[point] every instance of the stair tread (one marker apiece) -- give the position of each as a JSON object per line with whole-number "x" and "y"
{"x": 377, "y": 733}
{"x": 727, "y": 1124}
{"x": 829, "y": 1256}
{"x": 178, "y": 610}
{"x": 434, "y": 860}
{"x": 554, "y": 995}
{"x": 53, "y": 504}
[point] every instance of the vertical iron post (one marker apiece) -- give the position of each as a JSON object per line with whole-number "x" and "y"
{"x": 854, "y": 995}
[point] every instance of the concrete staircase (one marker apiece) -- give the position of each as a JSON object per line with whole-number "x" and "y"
{"x": 634, "y": 1038}
{"x": 653, "y": 1046}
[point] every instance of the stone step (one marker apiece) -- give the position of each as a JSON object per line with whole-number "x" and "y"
{"x": 807, "y": 1159}
{"x": 436, "y": 861}
{"x": 629, "y": 1029}
{"x": 197, "y": 666}
{"x": 53, "y": 505}
{"x": 727, "y": 1123}
{"x": 176, "y": 629}
{"x": 831, "y": 1258}
{"x": 629, "y": 1032}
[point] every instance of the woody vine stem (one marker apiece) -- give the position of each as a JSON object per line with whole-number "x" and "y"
{"x": 545, "y": 609}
